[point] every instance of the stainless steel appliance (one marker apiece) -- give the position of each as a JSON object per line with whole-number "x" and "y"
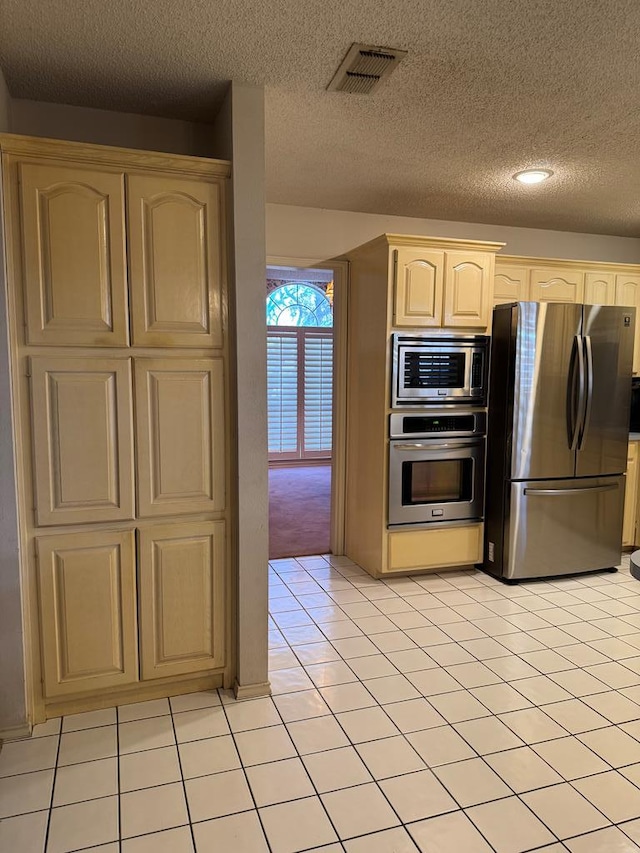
{"x": 560, "y": 383}
{"x": 446, "y": 369}
{"x": 436, "y": 466}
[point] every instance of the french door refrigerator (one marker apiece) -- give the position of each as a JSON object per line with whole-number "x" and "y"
{"x": 558, "y": 431}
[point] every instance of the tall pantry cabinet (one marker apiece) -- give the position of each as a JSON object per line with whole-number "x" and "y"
{"x": 118, "y": 321}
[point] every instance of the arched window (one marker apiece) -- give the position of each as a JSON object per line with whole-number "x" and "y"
{"x": 299, "y": 304}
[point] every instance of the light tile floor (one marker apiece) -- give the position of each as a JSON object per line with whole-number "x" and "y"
{"x": 444, "y": 714}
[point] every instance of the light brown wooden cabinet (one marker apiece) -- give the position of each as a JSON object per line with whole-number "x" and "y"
{"x": 101, "y": 241}
{"x": 182, "y": 610}
{"x": 628, "y": 293}
{"x": 75, "y": 278}
{"x": 511, "y": 284}
{"x": 434, "y": 288}
{"x": 631, "y": 497}
{"x": 599, "y": 288}
{"x": 556, "y": 285}
{"x": 88, "y": 611}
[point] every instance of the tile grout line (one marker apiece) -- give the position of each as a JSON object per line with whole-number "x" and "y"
{"x": 182, "y": 779}
{"x": 53, "y": 787}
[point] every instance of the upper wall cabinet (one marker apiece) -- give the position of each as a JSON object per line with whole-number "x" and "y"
{"x": 511, "y": 284}
{"x": 468, "y": 278}
{"x": 436, "y": 288}
{"x": 175, "y": 261}
{"x": 599, "y": 288}
{"x": 628, "y": 293}
{"x": 74, "y": 266}
{"x": 556, "y": 285}
{"x": 419, "y": 276}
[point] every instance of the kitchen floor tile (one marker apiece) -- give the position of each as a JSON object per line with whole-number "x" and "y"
{"x": 88, "y": 781}
{"x": 532, "y": 725}
{"x": 300, "y": 825}
{"x": 279, "y": 781}
{"x": 510, "y": 667}
{"x": 487, "y": 734}
{"x": 336, "y": 768}
{"x": 88, "y": 745}
{"x": 565, "y": 811}
{"x": 205, "y": 757}
{"x": 540, "y": 690}
{"x": 301, "y": 706}
{"x": 218, "y": 795}
{"x": 579, "y": 682}
{"x": 25, "y": 756}
{"x": 166, "y": 841}
{"x": 354, "y": 811}
{"x": 414, "y": 715}
{"x": 614, "y": 675}
{"x": 458, "y": 706}
{"x": 199, "y": 724}
{"x": 509, "y": 826}
{"x": 392, "y": 756}
{"x": 473, "y": 674}
{"x": 89, "y": 720}
{"x": 449, "y": 833}
{"x": 431, "y": 682}
{"x": 411, "y": 660}
{"x": 24, "y": 833}
{"x": 372, "y": 666}
{"x": 260, "y": 746}
{"x": 570, "y": 758}
{"x": 252, "y": 714}
{"x": 366, "y": 724}
{"x": 575, "y": 716}
{"x": 416, "y": 796}
{"x": 523, "y": 769}
{"x": 472, "y": 782}
{"x": 614, "y": 706}
{"x": 356, "y": 647}
{"x": 333, "y": 672}
{"x": 83, "y": 825}
{"x": 614, "y": 746}
{"x": 392, "y": 688}
{"x": 500, "y": 698}
{"x": 143, "y": 710}
{"x": 610, "y": 840}
{"x": 450, "y": 654}
{"x": 317, "y": 734}
{"x": 397, "y": 840}
{"x": 152, "y": 810}
{"x": 239, "y": 832}
{"x": 440, "y": 745}
{"x": 194, "y": 701}
{"x": 289, "y": 680}
{"x": 616, "y": 797}
{"x": 29, "y": 792}
{"x": 348, "y": 697}
{"x": 147, "y": 769}
{"x": 306, "y": 655}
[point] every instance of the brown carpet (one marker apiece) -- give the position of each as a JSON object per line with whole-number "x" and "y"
{"x": 299, "y": 511}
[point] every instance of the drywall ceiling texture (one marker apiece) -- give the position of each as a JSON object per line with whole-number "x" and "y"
{"x": 488, "y": 89}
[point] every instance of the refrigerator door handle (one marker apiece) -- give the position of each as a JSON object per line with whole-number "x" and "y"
{"x": 575, "y": 393}
{"x": 589, "y": 390}
{"x": 609, "y": 487}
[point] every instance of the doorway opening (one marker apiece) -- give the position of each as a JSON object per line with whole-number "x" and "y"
{"x": 300, "y": 346}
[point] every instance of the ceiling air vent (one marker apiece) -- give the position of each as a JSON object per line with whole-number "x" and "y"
{"x": 364, "y": 67}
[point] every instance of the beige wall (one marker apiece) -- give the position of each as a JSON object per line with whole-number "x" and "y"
{"x": 312, "y": 233}
{"x": 102, "y": 127}
{"x": 5, "y": 106}
{"x": 239, "y": 135}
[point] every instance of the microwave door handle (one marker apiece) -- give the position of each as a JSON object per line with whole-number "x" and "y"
{"x": 434, "y": 446}
{"x": 589, "y": 390}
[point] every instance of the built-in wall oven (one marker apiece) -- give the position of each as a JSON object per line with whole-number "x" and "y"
{"x": 436, "y": 466}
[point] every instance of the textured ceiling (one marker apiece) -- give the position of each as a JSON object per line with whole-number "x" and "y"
{"x": 490, "y": 87}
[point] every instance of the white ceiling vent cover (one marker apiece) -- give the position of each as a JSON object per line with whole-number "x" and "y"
{"x": 364, "y": 67}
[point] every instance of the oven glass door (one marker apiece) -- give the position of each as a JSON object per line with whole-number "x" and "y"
{"x": 434, "y": 481}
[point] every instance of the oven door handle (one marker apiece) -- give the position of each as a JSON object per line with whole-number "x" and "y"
{"x": 435, "y": 446}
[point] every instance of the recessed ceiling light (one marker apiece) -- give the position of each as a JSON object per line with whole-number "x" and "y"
{"x": 533, "y": 176}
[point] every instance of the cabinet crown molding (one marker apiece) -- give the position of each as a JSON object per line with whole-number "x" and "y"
{"x": 126, "y": 158}
{"x": 562, "y": 263}
{"x": 394, "y": 241}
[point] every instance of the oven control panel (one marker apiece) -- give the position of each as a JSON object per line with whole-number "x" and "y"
{"x": 425, "y": 425}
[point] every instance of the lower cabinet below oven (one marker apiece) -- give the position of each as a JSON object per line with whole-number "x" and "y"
{"x": 444, "y": 547}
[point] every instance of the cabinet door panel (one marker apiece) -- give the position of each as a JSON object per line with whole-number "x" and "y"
{"x": 87, "y": 611}
{"x": 628, "y": 293}
{"x": 418, "y": 287}
{"x": 83, "y": 439}
{"x": 175, "y": 261}
{"x": 599, "y": 288}
{"x": 468, "y": 281}
{"x": 74, "y": 255}
{"x": 182, "y": 569}
{"x": 180, "y": 432}
{"x": 551, "y": 285}
{"x": 510, "y": 284}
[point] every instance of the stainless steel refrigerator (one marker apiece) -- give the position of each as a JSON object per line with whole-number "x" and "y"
{"x": 558, "y": 430}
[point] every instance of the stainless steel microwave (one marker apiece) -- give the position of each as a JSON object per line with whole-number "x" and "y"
{"x": 435, "y": 370}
